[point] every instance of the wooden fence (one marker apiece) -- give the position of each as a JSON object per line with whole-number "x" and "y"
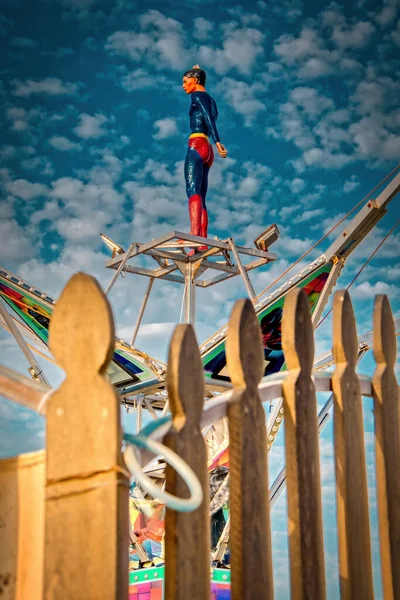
{"x": 85, "y": 507}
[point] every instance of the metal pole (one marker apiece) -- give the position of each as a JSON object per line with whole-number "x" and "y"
{"x": 139, "y": 402}
{"x": 35, "y": 371}
{"x": 190, "y": 296}
{"x": 279, "y": 484}
{"x": 141, "y": 311}
{"x": 118, "y": 271}
{"x": 247, "y": 282}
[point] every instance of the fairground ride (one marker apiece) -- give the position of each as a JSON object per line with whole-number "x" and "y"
{"x": 26, "y": 312}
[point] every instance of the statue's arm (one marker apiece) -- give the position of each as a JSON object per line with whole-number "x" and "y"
{"x": 212, "y": 127}
{"x": 209, "y": 119}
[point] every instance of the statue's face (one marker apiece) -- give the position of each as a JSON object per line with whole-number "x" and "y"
{"x": 189, "y": 84}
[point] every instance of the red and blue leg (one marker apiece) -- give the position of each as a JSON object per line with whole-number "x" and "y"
{"x": 194, "y": 178}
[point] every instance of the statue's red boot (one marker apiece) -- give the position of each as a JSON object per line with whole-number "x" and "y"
{"x": 203, "y": 228}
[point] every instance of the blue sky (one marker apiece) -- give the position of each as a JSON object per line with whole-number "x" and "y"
{"x": 94, "y": 127}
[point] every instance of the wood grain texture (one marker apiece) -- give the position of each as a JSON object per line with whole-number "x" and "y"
{"x": 250, "y": 537}
{"x": 387, "y": 445}
{"x": 22, "y": 526}
{"x": 87, "y": 487}
{"x": 187, "y": 535}
{"x": 355, "y": 569}
{"x": 306, "y": 547}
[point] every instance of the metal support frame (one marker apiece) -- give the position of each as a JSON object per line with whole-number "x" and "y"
{"x": 141, "y": 311}
{"x": 139, "y": 412}
{"x": 326, "y": 292}
{"x": 35, "y": 371}
{"x": 190, "y": 295}
{"x": 243, "y": 273}
{"x": 172, "y": 247}
{"x": 121, "y": 266}
{"x": 174, "y": 264}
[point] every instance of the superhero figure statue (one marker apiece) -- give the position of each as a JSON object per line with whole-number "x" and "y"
{"x": 200, "y": 156}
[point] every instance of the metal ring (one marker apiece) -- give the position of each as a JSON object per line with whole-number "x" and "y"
{"x": 187, "y": 474}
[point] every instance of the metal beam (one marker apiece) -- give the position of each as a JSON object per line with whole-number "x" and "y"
{"x": 35, "y": 371}
{"x": 154, "y": 274}
{"x": 247, "y": 282}
{"x": 190, "y": 296}
{"x": 141, "y": 311}
{"x": 364, "y": 221}
{"x": 326, "y": 292}
{"x": 118, "y": 271}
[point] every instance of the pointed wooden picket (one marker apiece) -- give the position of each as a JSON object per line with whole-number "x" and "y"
{"x": 250, "y": 538}
{"x": 306, "y": 547}
{"x": 187, "y": 535}
{"x": 355, "y": 567}
{"x": 387, "y": 445}
{"x": 87, "y": 485}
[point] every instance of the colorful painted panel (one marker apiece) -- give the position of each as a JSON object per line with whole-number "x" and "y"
{"x": 36, "y": 314}
{"x": 148, "y": 584}
{"x": 33, "y": 312}
{"x": 270, "y": 318}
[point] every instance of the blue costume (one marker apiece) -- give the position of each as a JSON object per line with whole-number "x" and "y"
{"x": 199, "y": 158}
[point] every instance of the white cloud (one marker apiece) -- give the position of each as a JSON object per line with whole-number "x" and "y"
{"x": 160, "y": 39}
{"x": 376, "y": 95}
{"x": 243, "y": 98}
{"x": 26, "y": 190}
{"x": 129, "y": 43}
{"x": 297, "y": 185}
{"x": 21, "y": 118}
{"x": 240, "y": 49}
{"x": 50, "y": 85}
{"x": 165, "y": 128}
{"x": 373, "y": 139}
{"x": 367, "y": 290}
{"x": 351, "y": 184}
{"x": 310, "y": 100}
{"x": 60, "y": 142}
{"x": 291, "y": 49}
{"x": 202, "y": 28}
{"x": 318, "y": 157}
{"x": 308, "y": 215}
{"x": 356, "y": 36}
{"x": 315, "y": 67}
{"x": 140, "y": 79}
{"x": 91, "y": 126}
{"x": 387, "y": 15}
{"x": 294, "y": 127}
{"x": 16, "y": 245}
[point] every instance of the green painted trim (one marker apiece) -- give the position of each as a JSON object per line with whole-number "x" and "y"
{"x": 156, "y": 573}
{"x": 146, "y": 575}
{"x": 221, "y": 576}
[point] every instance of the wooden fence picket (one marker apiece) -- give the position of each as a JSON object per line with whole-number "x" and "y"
{"x": 87, "y": 485}
{"x": 187, "y": 535}
{"x": 387, "y": 445}
{"x": 86, "y": 493}
{"x": 250, "y": 538}
{"x": 306, "y": 547}
{"x": 355, "y": 566}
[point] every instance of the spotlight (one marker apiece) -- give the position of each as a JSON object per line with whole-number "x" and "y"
{"x": 267, "y": 238}
{"x": 115, "y": 249}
